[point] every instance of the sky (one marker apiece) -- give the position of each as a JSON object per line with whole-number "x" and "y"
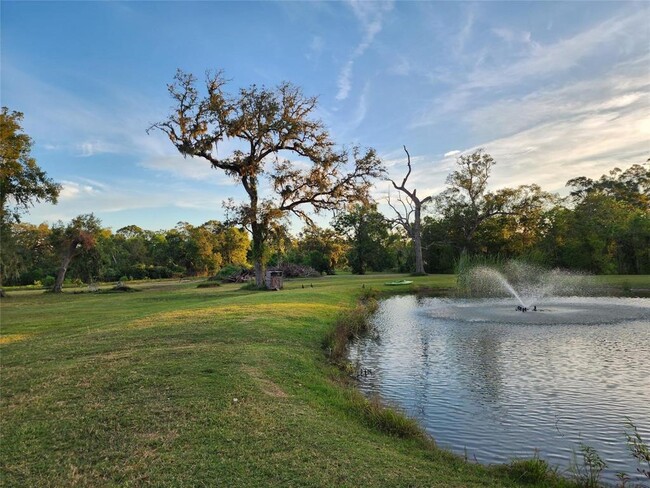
{"x": 552, "y": 90}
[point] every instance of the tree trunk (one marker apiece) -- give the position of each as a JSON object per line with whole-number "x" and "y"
{"x": 417, "y": 243}
{"x": 258, "y": 253}
{"x": 60, "y": 276}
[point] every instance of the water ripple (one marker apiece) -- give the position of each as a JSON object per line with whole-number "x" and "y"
{"x": 502, "y": 384}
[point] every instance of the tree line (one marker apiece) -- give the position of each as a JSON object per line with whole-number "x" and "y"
{"x": 603, "y": 226}
{"x": 286, "y": 163}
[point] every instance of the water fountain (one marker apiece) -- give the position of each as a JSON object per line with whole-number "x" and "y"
{"x": 484, "y": 378}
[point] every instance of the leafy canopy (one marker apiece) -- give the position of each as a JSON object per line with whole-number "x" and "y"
{"x": 22, "y": 182}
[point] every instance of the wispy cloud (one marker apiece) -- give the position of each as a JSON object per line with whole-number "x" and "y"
{"x": 562, "y": 55}
{"x": 465, "y": 31}
{"x": 370, "y": 15}
{"x": 316, "y": 47}
{"x": 625, "y": 88}
{"x": 540, "y": 63}
{"x": 186, "y": 168}
{"x": 91, "y": 148}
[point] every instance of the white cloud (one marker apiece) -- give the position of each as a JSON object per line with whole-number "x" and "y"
{"x": 512, "y": 36}
{"x": 626, "y": 88}
{"x": 451, "y": 154}
{"x": 90, "y": 148}
{"x": 616, "y": 38}
{"x": 402, "y": 67}
{"x": 549, "y": 59}
{"x": 344, "y": 82}
{"x": 370, "y": 15}
{"x": 316, "y": 47}
{"x": 362, "y": 108}
{"x": 186, "y": 168}
{"x": 465, "y": 32}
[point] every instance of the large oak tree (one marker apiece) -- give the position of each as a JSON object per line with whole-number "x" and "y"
{"x": 22, "y": 182}
{"x": 269, "y": 125}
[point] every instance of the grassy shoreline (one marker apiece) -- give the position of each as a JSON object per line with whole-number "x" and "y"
{"x": 186, "y": 386}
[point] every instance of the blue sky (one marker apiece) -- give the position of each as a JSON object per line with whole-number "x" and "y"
{"x": 552, "y": 90}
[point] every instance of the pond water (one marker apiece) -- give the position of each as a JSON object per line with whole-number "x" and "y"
{"x": 496, "y": 384}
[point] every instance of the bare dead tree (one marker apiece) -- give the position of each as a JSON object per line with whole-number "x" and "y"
{"x": 409, "y": 216}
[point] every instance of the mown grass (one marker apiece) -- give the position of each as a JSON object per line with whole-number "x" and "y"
{"x": 186, "y": 386}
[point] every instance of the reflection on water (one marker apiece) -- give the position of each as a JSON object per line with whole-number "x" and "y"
{"x": 480, "y": 376}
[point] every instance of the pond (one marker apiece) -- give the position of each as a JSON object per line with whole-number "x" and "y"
{"x": 495, "y": 384}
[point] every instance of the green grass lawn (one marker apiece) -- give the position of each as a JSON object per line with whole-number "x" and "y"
{"x": 184, "y": 386}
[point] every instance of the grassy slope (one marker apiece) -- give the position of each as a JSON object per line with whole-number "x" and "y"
{"x": 139, "y": 388}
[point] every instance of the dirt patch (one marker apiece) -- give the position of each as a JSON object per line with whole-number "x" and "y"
{"x": 266, "y": 385}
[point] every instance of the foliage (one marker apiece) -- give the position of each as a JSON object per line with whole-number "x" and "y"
{"x": 533, "y": 470}
{"x": 368, "y": 235}
{"x": 22, "y": 182}
{"x": 319, "y": 248}
{"x": 608, "y": 228}
{"x": 270, "y": 124}
{"x": 74, "y": 239}
{"x": 587, "y": 472}
{"x": 638, "y": 448}
{"x": 129, "y": 253}
{"x": 597, "y": 231}
{"x": 631, "y": 186}
{"x": 467, "y": 204}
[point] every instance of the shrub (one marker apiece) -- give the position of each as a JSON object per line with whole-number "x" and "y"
{"x": 386, "y": 419}
{"x": 638, "y": 448}
{"x": 587, "y": 473}
{"x": 48, "y": 281}
{"x": 208, "y": 284}
{"x": 533, "y": 470}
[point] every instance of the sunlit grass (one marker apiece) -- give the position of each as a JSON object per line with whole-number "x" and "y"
{"x": 186, "y": 386}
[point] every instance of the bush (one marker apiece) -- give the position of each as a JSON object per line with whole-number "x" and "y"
{"x": 48, "y": 281}
{"x": 533, "y": 470}
{"x": 208, "y": 284}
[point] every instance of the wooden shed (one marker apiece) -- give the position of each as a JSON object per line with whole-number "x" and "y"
{"x": 274, "y": 280}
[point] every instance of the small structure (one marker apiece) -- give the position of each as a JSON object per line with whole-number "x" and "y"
{"x": 274, "y": 280}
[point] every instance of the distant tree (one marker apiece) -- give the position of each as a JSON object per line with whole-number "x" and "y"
{"x": 466, "y": 204}
{"x": 409, "y": 216}
{"x": 607, "y": 229}
{"x": 22, "y": 182}
{"x": 33, "y": 257}
{"x": 269, "y": 124}
{"x": 631, "y": 186}
{"x": 72, "y": 240}
{"x": 324, "y": 250}
{"x": 368, "y": 234}
{"x": 232, "y": 243}
{"x": 439, "y": 244}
